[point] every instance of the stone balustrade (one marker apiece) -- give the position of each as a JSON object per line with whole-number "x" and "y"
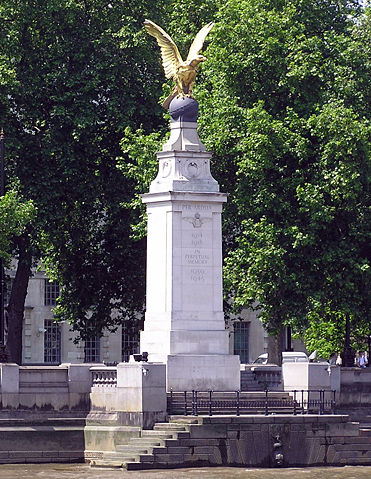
{"x": 45, "y": 388}
{"x": 261, "y": 377}
{"x": 104, "y": 377}
{"x": 268, "y": 376}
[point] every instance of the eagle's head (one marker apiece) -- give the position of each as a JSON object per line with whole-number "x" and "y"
{"x": 196, "y": 60}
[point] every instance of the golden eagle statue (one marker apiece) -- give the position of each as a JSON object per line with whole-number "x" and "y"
{"x": 182, "y": 72}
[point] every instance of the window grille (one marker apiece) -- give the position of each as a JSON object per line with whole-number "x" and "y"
{"x": 130, "y": 341}
{"x": 92, "y": 350}
{"x": 241, "y": 340}
{"x": 8, "y": 290}
{"x": 51, "y": 293}
{"x": 52, "y": 342}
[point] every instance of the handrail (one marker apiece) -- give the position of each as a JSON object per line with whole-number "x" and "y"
{"x": 304, "y": 401}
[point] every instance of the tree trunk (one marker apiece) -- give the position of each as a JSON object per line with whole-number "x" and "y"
{"x": 275, "y": 348}
{"x": 348, "y": 354}
{"x": 17, "y": 300}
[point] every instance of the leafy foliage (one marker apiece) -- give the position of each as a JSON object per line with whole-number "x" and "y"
{"x": 284, "y": 101}
{"x": 77, "y": 75}
{"x": 284, "y": 107}
{"x": 326, "y": 333}
{"x": 15, "y": 215}
{"x": 303, "y": 180}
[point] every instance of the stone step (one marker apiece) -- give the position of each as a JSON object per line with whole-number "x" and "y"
{"x": 168, "y": 426}
{"x": 136, "y": 466}
{"x": 146, "y": 442}
{"x": 104, "y": 464}
{"x": 146, "y": 458}
{"x": 180, "y": 435}
{"x": 159, "y": 450}
{"x": 162, "y": 434}
{"x": 119, "y": 456}
{"x": 128, "y": 448}
{"x": 178, "y": 419}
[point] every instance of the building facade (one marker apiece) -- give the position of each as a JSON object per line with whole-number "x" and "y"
{"x": 46, "y": 341}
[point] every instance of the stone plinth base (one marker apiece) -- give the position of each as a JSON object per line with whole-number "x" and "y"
{"x": 203, "y": 372}
{"x": 297, "y": 376}
{"x": 139, "y": 398}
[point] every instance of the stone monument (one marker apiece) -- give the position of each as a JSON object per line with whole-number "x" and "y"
{"x": 184, "y": 325}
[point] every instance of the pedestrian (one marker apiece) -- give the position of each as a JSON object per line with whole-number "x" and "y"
{"x": 362, "y": 360}
{"x": 333, "y": 359}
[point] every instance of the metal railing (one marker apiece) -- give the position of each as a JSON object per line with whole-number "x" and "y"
{"x": 315, "y": 401}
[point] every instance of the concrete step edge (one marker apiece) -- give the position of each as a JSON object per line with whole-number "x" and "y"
{"x": 163, "y": 434}
{"x": 169, "y": 427}
{"x": 148, "y": 443}
{"x": 132, "y": 449}
{"x": 107, "y": 464}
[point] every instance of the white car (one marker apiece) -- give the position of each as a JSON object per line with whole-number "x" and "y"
{"x": 294, "y": 357}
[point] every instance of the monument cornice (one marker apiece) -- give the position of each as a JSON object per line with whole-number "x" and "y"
{"x": 181, "y": 196}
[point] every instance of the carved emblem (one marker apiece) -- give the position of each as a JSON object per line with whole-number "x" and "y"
{"x": 192, "y": 169}
{"x": 196, "y": 220}
{"x": 166, "y": 169}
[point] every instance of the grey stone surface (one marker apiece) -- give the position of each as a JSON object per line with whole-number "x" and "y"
{"x": 183, "y": 108}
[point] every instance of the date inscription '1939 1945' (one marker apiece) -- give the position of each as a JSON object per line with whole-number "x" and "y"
{"x": 198, "y": 275}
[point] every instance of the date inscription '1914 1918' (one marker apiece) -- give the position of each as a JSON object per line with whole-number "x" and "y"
{"x": 196, "y": 239}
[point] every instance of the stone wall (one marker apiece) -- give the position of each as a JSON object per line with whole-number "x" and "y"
{"x": 42, "y": 413}
{"x": 258, "y": 441}
{"x": 41, "y": 439}
{"x": 45, "y": 416}
{"x": 53, "y": 388}
{"x": 355, "y": 387}
{"x": 354, "y": 397}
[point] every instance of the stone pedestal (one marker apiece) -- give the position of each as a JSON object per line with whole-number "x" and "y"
{"x": 298, "y": 376}
{"x": 184, "y": 325}
{"x": 9, "y": 378}
{"x": 139, "y": 398}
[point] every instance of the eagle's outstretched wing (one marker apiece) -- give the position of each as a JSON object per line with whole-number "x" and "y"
{"x": 199, "y": 41}
{"x": 170, "y": 54}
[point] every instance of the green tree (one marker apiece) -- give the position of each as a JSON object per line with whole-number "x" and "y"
{"x": 326, "y": 333}
{"x": 15, "y": 215}
{"x": 284, "y": 101}
{"x": 74, "y": 75}
{"x": 302, "y": 158}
